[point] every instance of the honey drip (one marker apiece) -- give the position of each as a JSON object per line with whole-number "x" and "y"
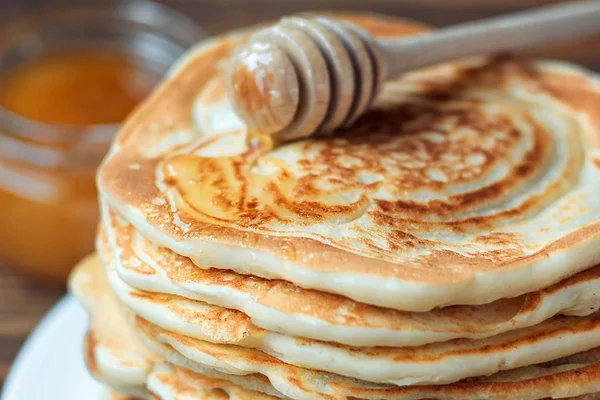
{"x": 263, "y": 142}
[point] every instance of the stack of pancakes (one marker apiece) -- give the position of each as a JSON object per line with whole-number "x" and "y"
{"x": 444, "y": 246}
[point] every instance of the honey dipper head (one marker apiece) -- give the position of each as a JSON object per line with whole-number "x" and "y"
{"x": 263, "y": 87}
{"x": 302, "y": 76}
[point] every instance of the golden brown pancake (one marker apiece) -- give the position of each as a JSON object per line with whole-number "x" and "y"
{"x": 571, "y": 376}
{"x": 458, "y": 218}
{"x": 116, "y": 357}
{"x": 405, "y": 366}
{"x": 218, "y": 329}
{"x": 466, "y": 183}
{"x": 112, "y": 356}
{"x": 285, "y": 308}
{"x": 111, "y": 395}
{"x": 175, "y": 383}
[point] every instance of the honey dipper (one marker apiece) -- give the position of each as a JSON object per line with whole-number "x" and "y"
{"x": 312, "y": 73}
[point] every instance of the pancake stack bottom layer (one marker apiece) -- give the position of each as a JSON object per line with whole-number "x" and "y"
{"x": 445, "y": 246}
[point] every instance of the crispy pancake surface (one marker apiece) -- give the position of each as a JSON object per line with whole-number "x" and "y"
{"x": 282, "y": 307}
{"x": 185, "y": 378}
{"x": 118, "y": 359}
{"x": 204, "y": 332}
{"x": 466, "y": 183}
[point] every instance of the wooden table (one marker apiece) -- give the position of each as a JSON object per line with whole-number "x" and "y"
{"x": 22, "y": 303}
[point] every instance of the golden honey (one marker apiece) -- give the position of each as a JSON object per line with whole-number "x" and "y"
{"x": 80, "y": 87}
{"x": 68, "y": 103}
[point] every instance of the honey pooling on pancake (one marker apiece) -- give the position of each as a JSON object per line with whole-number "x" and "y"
{"x": 436, "y": 155}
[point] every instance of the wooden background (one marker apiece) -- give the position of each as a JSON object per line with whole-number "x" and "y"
{"x": 22, "y": 302}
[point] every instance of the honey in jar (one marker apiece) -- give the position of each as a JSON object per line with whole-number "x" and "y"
{"x": 59, "y": 112}
{"x": 76, "y": 87}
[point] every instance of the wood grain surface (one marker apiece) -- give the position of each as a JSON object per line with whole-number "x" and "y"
{"x": 23, "y": 303}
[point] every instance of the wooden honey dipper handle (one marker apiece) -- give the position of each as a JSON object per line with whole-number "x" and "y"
{"x": 314, "y": 74}
{"x": 511, "y": 32}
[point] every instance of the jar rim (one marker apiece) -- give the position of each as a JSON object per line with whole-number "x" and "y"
{"x": 171, "y": 24}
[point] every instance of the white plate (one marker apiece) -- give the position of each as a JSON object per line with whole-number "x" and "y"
{"x": 50, "y": 365}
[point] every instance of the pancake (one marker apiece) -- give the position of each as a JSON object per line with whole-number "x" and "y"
{"x": 282, "y": 307}
{"x": 104, "y": 372}
{"x": 173, "y": 383}
{"x": 573, "y": 376}
{"x": 431, "y": 364}
{"x": 466, "y": 183}
{"x": 112, "y": 357}
{"x": 108, "y": 394}
{"x": 434, "y": 363}
{"x": 117, "y": 358}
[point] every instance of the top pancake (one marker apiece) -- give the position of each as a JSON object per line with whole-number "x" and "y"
{"x": 466, "y": 183}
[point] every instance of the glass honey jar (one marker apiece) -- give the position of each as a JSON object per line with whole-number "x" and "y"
{"x": 67, "y": 79}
